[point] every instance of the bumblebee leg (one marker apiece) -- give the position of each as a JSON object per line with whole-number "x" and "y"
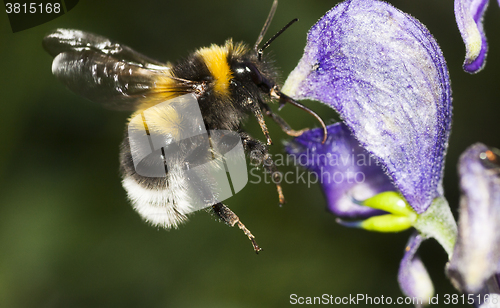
{"x": 260, "y": 118}
{"x": 282, "y": 123}
{"x": 258, "y": 152}
{"x": 230, "y": 218}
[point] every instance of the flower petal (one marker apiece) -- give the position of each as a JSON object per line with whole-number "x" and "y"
{"x": 469, "y": 16}
{"x": 489, "y": 295}
{"x": 476, "y": 256}
{"x": 346, "y": 171}
{"x": 385, "y": 75}
{"x": 413, "y": 277}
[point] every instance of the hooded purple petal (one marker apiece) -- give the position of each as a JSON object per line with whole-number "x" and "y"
{"x": 385, "y": 75}
{"x": 489, "y": 295}
{"x": 469, "y": 16}
{"x": 476, "y": 256}
{"x": 413, "y": 277}
{"x": 345, "y": 170}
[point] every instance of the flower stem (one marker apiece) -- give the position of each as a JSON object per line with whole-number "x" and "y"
{"x": 438, "y": 222}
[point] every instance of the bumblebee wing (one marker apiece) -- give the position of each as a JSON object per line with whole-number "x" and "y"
{"x": 112, "y": 74}
{"x": 62, "y": 40}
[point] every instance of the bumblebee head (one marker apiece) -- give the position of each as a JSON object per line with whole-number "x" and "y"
{"x": 241, "y": 74}
{"x": 252, "y": 70}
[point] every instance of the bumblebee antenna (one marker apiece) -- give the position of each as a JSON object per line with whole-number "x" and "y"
{"x": 266, "y": 44}
{"x": 266, "y": 25}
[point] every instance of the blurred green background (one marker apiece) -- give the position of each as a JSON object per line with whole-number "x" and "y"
{"x": 68, "y": 236}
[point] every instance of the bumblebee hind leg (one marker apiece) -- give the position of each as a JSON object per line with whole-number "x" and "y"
{"x": 258, "y": 152}
{"x": 230, "y": 218}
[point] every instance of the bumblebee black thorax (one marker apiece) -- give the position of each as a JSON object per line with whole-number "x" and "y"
{"x": 233, "y": 79}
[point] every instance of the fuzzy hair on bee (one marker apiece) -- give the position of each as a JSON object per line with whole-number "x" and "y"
{"x": 226, "y": 83}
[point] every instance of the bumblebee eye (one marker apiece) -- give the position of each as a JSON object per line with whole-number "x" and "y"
{"x": 248, "y": 70}
{"x": 254, "y": 73}
{"x": 490, "y": 158}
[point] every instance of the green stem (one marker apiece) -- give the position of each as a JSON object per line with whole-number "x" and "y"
{"x": 438, "y": 222}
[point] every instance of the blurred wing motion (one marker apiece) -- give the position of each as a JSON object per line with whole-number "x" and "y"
{"x": 112, "y": 74}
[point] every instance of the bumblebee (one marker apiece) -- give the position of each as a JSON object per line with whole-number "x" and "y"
{"x": 227, "y": 83}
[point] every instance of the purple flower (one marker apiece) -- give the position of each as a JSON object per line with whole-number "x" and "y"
{"x": 469, "y": 16}
{"x": 385, "y": 75}
{"x": 347, "y": 172}
{"x": 413, "y": 277}
{"x": 476, "y": 257}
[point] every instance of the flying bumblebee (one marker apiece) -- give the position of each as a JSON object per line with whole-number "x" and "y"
{"x": 227, "y": 83}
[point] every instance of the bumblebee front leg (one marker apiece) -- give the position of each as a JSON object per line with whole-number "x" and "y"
{"x": 230, "y": 218}
{"x": 258, "y": 152}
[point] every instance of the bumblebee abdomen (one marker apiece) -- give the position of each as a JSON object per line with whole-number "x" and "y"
{"x": 161, "y": 201}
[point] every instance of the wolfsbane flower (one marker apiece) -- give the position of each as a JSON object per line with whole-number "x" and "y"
{"x": 346, "y": 171}
{"x": 413, "y": 277}
{"x": 476, "y": 257}
{"x": 469, "y": 16}
{"x": 385, "y": 75}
